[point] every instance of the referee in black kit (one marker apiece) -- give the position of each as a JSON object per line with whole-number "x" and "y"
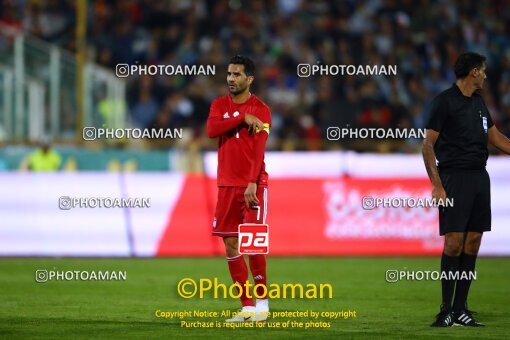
{"x": 457, "y": 134}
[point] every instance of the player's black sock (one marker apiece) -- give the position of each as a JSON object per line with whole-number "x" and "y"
{"x": 448, "y": 264}
{"x": 466, "y": 267}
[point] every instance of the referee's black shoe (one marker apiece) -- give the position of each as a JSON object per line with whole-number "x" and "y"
{"x": 465, "y": 318}
{"x": 444, "y": 318}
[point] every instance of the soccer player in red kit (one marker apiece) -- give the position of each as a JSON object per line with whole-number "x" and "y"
{"x": 241, "y": 121}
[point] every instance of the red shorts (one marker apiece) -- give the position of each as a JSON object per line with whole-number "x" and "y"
{"x": 231, "y": 210}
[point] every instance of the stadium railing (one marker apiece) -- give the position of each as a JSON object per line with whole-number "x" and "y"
{"x": 39, "y": 92}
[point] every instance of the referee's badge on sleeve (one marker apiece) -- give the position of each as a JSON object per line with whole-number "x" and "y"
{"x": 484, "y": 119}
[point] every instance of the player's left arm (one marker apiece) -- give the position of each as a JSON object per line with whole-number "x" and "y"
{"x": 259, "y": 146}
{"x": 499, "y": 140}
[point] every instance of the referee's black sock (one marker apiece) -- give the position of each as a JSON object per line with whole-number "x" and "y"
{"x": 466, "y": 267}
{"x": 448, "y": 264}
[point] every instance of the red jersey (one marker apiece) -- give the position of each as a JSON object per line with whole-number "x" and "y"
{"x": 240, "y": 155}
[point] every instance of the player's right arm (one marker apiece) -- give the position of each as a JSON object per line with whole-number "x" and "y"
{"x": 217, "y": 126}
{"x": 437, "y": 120}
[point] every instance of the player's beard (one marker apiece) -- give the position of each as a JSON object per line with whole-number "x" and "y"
{"x": 238, "y": 89}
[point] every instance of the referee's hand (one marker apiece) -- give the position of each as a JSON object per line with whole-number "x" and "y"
{"x": 250, "y": 195}
{"x": 439, "y": 194}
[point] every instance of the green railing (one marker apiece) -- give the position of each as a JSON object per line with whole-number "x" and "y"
{"x": 38, "y": 97}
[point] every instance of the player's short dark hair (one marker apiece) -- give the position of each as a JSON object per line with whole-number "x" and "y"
{"x": 466, "y": 62}
{"x": 249, "y": 66}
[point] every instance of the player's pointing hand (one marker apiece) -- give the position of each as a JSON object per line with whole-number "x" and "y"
{"x": 253, "y": 123}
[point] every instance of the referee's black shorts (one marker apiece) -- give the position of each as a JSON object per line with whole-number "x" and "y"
{"x": 471, "y": 193}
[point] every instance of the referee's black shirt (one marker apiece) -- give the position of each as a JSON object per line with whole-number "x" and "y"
{"x": 463, "y": 124}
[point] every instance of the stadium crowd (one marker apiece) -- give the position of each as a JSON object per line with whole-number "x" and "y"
{"x": 423, "y": 38}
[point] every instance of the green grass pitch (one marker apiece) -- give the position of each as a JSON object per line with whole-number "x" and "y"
{"x": 126, "y": 309}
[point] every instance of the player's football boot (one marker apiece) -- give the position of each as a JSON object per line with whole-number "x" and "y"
{"x": 444, "y": 318}
{"x": 262, "y": 310}
{"x": 246, "y": 314}
{"x": 465, "y": 318}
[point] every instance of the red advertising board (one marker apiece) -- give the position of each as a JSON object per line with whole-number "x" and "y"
{"x": 314, "y": 217}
